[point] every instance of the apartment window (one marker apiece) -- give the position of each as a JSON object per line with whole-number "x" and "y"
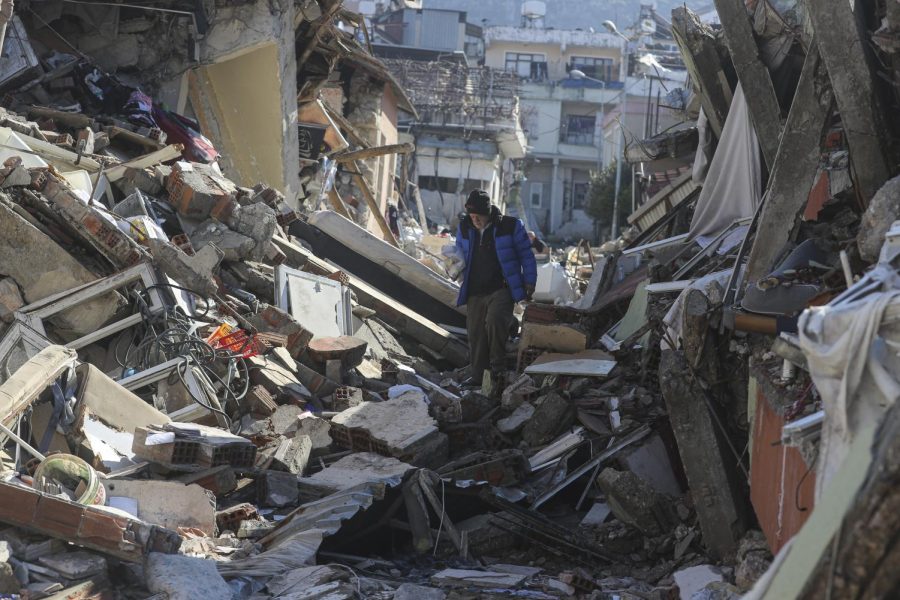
{"x": 537, "y": 194}
{"x": 528, "y": 66}
{"x": 598, "y": 68}
{"x": 447, "y": 185}
{"x": 580, "y": 195}
{"x": 450, "y": 185}
{"x": 579, "y": 130}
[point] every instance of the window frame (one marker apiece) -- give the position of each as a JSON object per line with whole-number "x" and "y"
{"x": 536, "y": 57}
{"x": 536, "y": 186}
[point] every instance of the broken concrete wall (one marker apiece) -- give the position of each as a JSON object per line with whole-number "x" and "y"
{"x": 244, "y": 98}
{"x": 42, "y": 268}
{"x": 372, "y": 110}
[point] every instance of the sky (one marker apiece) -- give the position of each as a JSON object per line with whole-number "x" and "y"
{"x": 561, "y": 14}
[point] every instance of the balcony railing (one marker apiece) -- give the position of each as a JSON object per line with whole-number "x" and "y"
{"x": 577, "y": 139}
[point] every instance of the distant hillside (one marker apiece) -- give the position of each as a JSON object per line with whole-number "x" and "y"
{"x": 561, "y": 14}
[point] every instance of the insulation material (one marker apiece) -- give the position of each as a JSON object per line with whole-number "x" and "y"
{"x": 733, "y": 185}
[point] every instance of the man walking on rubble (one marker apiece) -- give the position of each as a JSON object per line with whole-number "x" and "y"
{"x": 500, "y": 271}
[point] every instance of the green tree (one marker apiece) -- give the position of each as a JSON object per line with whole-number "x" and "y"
{"x": 602, "y": 196}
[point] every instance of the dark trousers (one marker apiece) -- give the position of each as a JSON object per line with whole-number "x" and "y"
{"x": 488, "y": 319}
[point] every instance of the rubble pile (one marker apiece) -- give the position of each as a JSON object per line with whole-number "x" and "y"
{"x": 206, "y": 394}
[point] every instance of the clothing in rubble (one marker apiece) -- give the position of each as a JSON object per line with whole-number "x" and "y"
{"x": 500, "y": 271}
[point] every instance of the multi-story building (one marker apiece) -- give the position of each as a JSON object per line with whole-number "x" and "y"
{"x": 427, "y": 34}
{"x": 575, "y": 125}
{"x": 562, "y": 116}
{"x": 467, "y": 135}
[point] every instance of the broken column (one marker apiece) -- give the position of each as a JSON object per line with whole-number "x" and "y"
{"x": 715, "y": 484}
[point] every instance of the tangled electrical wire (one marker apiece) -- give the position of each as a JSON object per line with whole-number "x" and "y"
{"x": 170, "y": 335}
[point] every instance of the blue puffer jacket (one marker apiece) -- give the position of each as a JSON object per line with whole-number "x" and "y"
{"x": 513, "y": 250}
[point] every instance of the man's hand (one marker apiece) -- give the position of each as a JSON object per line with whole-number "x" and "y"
{"x": 529, "y": 292}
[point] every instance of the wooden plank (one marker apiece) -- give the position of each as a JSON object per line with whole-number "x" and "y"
{"x": 701, "y": 57}
{"x": 337, "y": 203}
{"x": 842, "y": 46}
{"x": 197, "y": 103}
{"x": 794, "y": 171}
{"x": 52, "y": 153}
{"x": 753, "y": 75}
{"x": 348, "y": 128}
{"x": 170, "y": 152}
{"x": 374, "y": 152}
{"x": 369, "y": 196}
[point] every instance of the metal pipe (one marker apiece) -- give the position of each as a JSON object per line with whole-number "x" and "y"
{"x": 22, "y": 443}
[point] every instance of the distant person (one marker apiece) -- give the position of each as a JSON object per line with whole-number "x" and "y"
{"x": 500, "y": 271}
{"x": 393, "y": 219}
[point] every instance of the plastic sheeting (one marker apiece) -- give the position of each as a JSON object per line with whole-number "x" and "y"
{"x": 733, "y": 185}
{"x": 851, "y": 347}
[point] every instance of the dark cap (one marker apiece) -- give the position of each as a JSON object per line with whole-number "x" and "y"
{"x": 478, "y": 203}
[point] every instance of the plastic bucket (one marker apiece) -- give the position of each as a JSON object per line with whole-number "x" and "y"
{"x": 73, "y": 473}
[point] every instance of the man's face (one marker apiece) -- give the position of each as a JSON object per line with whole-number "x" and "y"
{"x": 480, "y": 221}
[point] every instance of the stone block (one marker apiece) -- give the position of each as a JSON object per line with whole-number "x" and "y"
{"x": 292, "y": 454}
{"x": 286, "y": 419}
{"x": 277, "y": 488}
{"x": 257, "y": 222}
{"x": 184, "y": 578}
{"x": 882, "y": 211}
{"x": 10, "y": 299}
{"x": 520, "y": 390}
{"x": 9, "y": 584}
{"x": 193, "y": 272}
{"x": 635, "y": 502}
{"x": 514, "y": 422}
{"x": 317, "y": 429}
{"x": 553, "y": 413}
{"x": 236, "y": 246}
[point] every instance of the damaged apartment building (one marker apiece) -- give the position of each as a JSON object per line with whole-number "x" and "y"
{"x": 223, "y": 376}
{"x": 467, "y": 135}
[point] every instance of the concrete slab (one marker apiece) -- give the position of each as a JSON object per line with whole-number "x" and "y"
{"x": 517, "y": 419}
{"x": 168, "y": 503}
{"x": 42, "y": 268}
{"x": 356, "y": 469}
{"x": 397, "y": 423}
{"x": 184, "y": 578}
{"x": 75, "y": 565}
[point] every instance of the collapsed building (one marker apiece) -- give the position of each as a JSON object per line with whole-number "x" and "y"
{"x": 222, "y": 377}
